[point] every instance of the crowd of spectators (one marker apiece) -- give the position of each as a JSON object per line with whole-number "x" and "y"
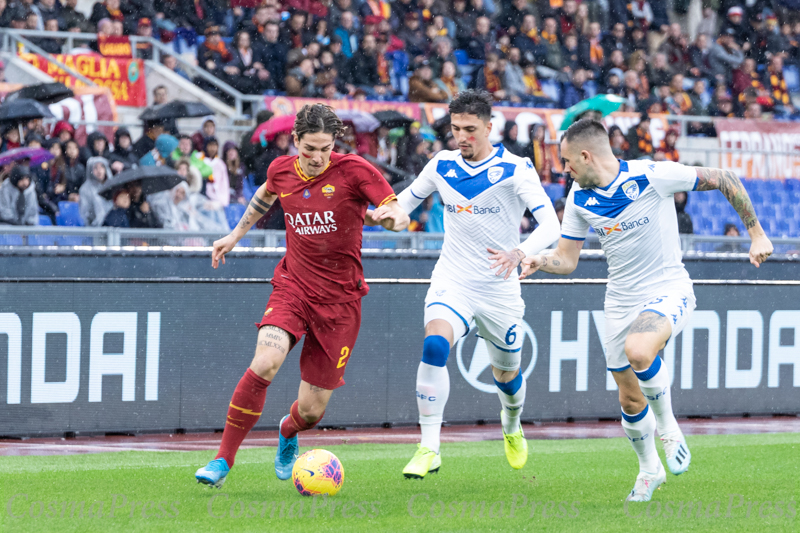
{"x": 734, "y": 65}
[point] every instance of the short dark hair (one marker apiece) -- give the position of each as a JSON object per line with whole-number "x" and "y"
{"x": 472, "y": 102}
{"x": 584, "y": 130}
{"x": 317, "y": 118}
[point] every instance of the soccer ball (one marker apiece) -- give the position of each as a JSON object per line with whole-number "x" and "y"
{"x": 318, "y": 472}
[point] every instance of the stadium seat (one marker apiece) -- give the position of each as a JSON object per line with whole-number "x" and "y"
{"x": 791, "y": 74}
{"x": 41, "y": 240}
{"x": 249, "y": 187}
{"x": 69, "y": 214}
{"x": 234, "y": 213}
{"x": 74, "y": 241}
{"x": 44, "y": 220}
{"x": 554, "y": 191}
{"x": 10, "y": 240}
{"x": 461, "y": 57}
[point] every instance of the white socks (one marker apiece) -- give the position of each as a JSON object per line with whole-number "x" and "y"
{"x": 433, "y": 389}
{"x": 640, "y": 429}
{"x": 655, "y": 386}
{"x": 512, "y": 397}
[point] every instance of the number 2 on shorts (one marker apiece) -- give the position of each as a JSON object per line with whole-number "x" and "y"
{"x": 345, "y": 353}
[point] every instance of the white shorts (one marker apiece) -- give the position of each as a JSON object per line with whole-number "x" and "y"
{"x": 675, "y": 303}
{"x": 498, "y": 318}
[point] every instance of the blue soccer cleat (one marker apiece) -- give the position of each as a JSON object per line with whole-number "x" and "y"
{"x": 286, "y": 455}
{"x": 214, "y": 473}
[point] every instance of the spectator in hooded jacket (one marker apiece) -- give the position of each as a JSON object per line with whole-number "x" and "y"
{"x": 122, "y": 157}
{"x": 74, "y": 170}
{"x": 93, "y": 207}
{"x": 96, "y": 146}
{"x": 18, "y": 203}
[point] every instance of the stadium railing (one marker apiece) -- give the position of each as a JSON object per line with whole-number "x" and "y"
{"x": 59, "y": 236}
{"x": 12, "y": 39}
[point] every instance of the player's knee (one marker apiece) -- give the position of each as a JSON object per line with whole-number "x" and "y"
{"x": 266, "y": 363}
{"x": 640, "y": 357}
{"x": 435, "y": 350}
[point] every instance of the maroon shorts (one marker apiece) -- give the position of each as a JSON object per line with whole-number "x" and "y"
{"x": 330, "y": 329}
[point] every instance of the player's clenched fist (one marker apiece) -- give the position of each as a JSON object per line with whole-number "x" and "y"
{"x": 760, "y": 249}
{"x": 532, "y": 264}
{"x": 222, "y": 247}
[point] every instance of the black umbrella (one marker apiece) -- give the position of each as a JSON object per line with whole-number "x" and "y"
{"x": 393, "y": 119}
{"x": 154, "y": 179}
{"x": 442, "y": 126}
{"x": 45, "y": 93}
{"x": 23, "y": 109}
{"x": 176, "y": 109}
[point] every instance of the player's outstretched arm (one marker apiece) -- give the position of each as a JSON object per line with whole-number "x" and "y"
{"x": 729, "y": 184}
{"x": 391, "y": 216}
{"x": 259, "y": 205}
{"x": 562, "y": 261}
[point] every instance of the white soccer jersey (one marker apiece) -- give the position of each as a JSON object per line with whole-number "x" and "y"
{"x": 636, "y": 221}
{"x": 484, "y": 204}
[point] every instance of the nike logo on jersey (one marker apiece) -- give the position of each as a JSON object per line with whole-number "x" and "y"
{"x": 284, "y": 195}
{"x": 451, "y": 174}
{"x": 591, "y": 201}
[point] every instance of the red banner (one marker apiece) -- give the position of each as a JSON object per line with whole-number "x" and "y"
{"x": 99, "y": 108}
{"x": 285, "y": 105}
{"x": 747, "y": 137}
{"x": 116, "y": 46}
{"x": 125, "y": 77}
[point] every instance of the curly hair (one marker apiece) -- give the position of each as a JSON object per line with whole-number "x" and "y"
{"x": 317, "y": 118}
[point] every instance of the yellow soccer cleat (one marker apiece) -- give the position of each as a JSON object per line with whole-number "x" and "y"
{"x": 423, "y": 462}
{"x": 516, "y": 448}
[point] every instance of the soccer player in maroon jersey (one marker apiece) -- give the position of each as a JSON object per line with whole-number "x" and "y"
{"x": 317, "y": 286}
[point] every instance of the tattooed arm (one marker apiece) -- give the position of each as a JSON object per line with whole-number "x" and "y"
{"x": 259, "y": 205}
{"x": 562, "y": 261}
{"x": 731, "y": 187}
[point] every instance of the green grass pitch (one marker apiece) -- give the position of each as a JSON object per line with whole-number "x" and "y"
{"x": 744, "y": 483}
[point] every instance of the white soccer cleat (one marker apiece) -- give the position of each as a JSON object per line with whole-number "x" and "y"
{"x": 646, "y": 484}
{"x": 677, "y": 452}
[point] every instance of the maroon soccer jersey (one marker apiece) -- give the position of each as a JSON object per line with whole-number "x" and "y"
{"x": 324, "y": 223}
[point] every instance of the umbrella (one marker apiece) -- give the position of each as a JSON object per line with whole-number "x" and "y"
{"x": 603, "y": 103}
{"x": 23, "y": 109}
{"x": 272, "y": 127}
{"x": 154, "y": 179}
{"x": 176, "y": 109}
{"x": 362, "y": 121}
{"x": 45, "y": 93}
{"x": 36, "y": 155}
{"x": 393, "y": 119}
{"x": 442, "y": 126}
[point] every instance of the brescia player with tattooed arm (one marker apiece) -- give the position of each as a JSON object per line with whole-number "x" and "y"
{"x": 317, "y": 286}
{"x": 649, "y": 297}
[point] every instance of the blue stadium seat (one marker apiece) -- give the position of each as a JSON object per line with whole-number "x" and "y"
{"x": 10, "y": 240}
{"x": 791, "y": 74}
{"x": 44, "y": 220}
{"x": 74, "y": 241}
{"x": 69, "y": 214}
{"x": 461, "y": 57}
{"x": 41, "y": 240}
{"x": 234, "y": 213}
{"x": 249, "y": 186}
{"x": 554, "y": 191}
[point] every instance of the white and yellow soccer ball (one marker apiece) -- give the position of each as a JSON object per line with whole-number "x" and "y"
{"x": 318, "y": 472}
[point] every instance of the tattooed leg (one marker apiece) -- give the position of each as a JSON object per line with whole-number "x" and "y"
{"x": 312, "y": 401}
{"x": 271, "y": 349}
{"x": 647, "y": 335}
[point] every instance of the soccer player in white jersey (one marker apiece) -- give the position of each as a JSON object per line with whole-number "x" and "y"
{"x": 649, "y": 297}
{"x": 485, "y": 190}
